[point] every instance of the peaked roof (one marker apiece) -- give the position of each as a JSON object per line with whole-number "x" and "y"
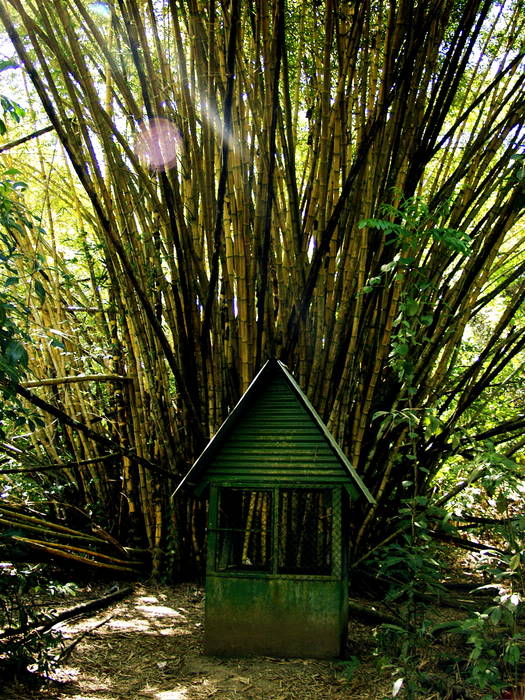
{"x": 269, "y": 370}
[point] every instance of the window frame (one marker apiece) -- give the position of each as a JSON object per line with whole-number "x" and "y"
{"x": 214, "y": 530}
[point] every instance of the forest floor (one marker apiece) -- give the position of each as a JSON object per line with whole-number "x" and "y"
{"x": 150, "y": 646}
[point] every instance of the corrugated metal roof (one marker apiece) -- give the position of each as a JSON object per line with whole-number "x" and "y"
{"x": 274, "y": 436}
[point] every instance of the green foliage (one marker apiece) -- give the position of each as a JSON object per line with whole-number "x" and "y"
{"x": 13, "y": 216}
{"x": 24, "y": 647}
{"x": 14, "y": 219}
{"x": 492, "y": 635}
{"x": 493, "y": 486}
{"x": 496, "y": 643}
{"x": 9, "y": 108}
{"x": 348, "y": 667}
{"x": 411, "y": 568}
{"x": 413, "y": 223}
{"x": 412, "y": 228}
{"x": 14, "y": 358}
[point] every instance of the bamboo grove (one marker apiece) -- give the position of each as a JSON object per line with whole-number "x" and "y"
{"x": 337, "y": 184}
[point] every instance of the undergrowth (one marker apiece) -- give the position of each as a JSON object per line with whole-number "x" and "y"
{"x": 480, "y": 653}
{"x": 26, "y": 644}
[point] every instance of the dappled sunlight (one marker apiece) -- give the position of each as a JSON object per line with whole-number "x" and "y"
{"x": 150, "y": 645}
{"x": 92, "y": 697}
{"x": 172, "y": 695}
{"x": 156, "y": 610}
{"x": 132, "y": 625}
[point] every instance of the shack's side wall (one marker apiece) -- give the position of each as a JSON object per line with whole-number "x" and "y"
{"x": 250, "y": 616}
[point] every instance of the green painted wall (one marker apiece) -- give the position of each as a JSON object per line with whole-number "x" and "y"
{"x": 250, "y": 616}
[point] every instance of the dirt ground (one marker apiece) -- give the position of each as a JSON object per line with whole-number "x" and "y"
{"x": 149, "y": 646}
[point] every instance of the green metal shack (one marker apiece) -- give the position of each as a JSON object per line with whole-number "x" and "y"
{"x": 280, "y": 492}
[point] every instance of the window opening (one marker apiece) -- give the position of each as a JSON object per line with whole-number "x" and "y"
{"x": 305, "y": 531}
{"x": 244, "y": 533}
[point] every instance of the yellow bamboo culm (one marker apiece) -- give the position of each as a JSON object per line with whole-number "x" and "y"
{"x": 67, "y": 548}
{"x": 76, "y": 557}
{"x": 248, "y": 529}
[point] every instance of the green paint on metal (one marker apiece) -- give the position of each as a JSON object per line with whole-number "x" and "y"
{"x": 254, "y": 603}
{"x": 274, "y": 440}
{"x": 274, "y": 435}
{"x": 277, "y": 581}
{"x": 249, "y": 616}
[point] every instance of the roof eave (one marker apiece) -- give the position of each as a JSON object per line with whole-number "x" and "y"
{"x": 191, "y": 477}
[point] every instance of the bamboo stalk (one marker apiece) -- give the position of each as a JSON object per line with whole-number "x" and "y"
{"x": 53, "y": 551}
{"x": 78, "y": 378}
{"x": 68, "y": 548}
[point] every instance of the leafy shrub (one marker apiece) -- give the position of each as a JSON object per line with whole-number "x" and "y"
{"x": 25, "y": 643}
{"x": 412, "y": 569}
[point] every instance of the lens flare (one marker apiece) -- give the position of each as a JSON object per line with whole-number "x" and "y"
{"x": 211, "y": 117}
{"x": 158, "y": 143}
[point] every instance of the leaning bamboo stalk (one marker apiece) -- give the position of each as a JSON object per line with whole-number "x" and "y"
{"x": 53, "y": 551}
{"x": 50, "y": 526}
{"x": 379, "y": 495}
{"x": 43, "y": 530}
{"x": 81, "y": 550}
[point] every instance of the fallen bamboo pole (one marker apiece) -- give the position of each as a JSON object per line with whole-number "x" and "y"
{"x": 76, "y": 611}
{"x": 81, "y": 550}
{"x": 77, "y": 557}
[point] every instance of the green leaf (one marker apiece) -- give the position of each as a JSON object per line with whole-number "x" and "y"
{"x": 449, "y": 625}
{"x": 411, "y": 307}
{"x": 16, "y": 354}
{"x": 40, "y": 291}
{"x": 8, "y": 63}
{"x": 512, "y": 653}
{"x": 495, "y": 615}
{"x": 515, "y": 561}
{"x": 379, "y": 414}
{"x": 401, "y": 349}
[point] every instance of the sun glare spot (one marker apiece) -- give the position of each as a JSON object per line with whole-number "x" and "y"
{"x": 130, "y": 625}
{"x": 171, "y": 695}
{"x": 100, "y": 8}
{"x": 157, "y": 144}
{"x": 214, "y": 121}
{"x": 157, "y": 610}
